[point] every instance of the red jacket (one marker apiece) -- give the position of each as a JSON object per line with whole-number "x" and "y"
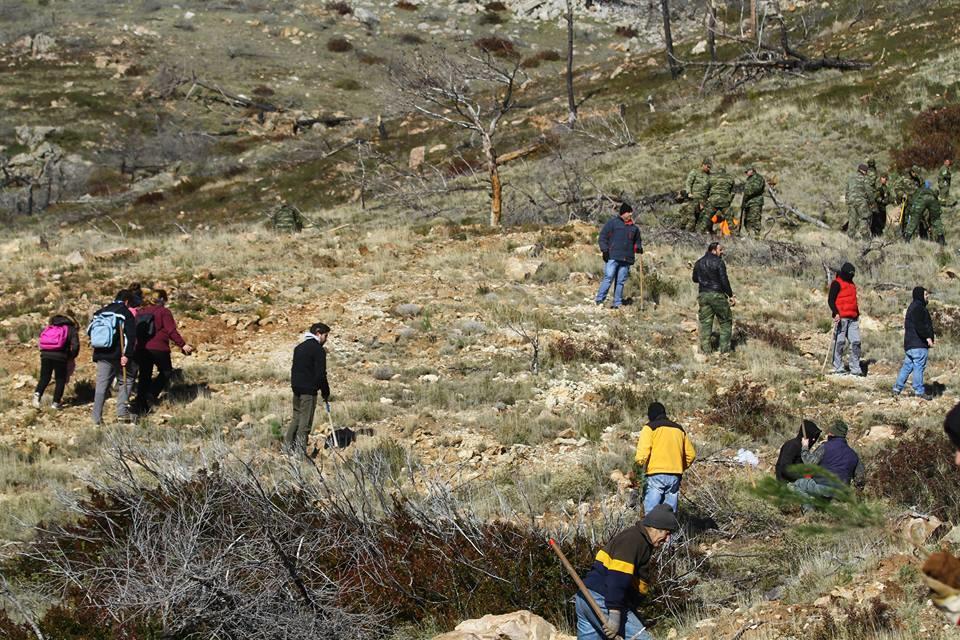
{"x": 847, "y": 300}
{"x": 166, "y": 329}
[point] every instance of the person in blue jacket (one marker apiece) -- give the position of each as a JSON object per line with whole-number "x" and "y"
{"x": 619, "y": 244}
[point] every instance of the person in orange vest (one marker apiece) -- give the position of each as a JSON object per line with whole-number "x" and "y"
{"x": 842, "y": 300}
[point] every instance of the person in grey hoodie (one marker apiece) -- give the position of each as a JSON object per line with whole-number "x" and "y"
{"x": 308, "y": 376}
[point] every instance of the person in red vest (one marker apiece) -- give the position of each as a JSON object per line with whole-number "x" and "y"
{"x": 846, "y": 320}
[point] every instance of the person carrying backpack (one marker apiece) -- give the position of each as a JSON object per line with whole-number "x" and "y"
{"x": 59, "y": 347}
{"x": 156, "y": 329}
{"x": 113, "y": 336}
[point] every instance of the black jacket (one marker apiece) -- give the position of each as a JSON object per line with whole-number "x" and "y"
{"x": 129, "y": 330}
{"x": 711, "y": 274}
{"x": 620, "y": 241}
{"x": 72, "y": 348}
{"x": 791, "y": 449}
{"x": 917, "y": 325}
{"x": 308, "y": 374}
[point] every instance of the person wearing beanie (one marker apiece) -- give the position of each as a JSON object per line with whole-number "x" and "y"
{"x": 308, "y": 376}
{"x": 834, "y": 456}
{"x": 619, "y": 242}
{"x": 665, "y": 452}
{"x": 790, "y": 451}
{"x": 918, "y": 338}
{"x": 859, "y": 195}
{"x": 842, "y": 300}
{"x": 620, "y": 577}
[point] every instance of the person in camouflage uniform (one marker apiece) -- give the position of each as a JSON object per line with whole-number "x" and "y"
{"x": 873, "y": 180}
{"x": 719, "y": 200}
{"x": 859, "y": 199}
{"x": 943, "y": 181}
{"x": 698, "y": 192}
{"x": 884, "y": 198}
{"x": 751, "y": 206}
{"x": 285, "y": 218}
{"x": 923, "y": 209}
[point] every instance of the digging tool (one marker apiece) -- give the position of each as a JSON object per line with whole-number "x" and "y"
{"x": 333, "y": 430}
{"x": 833, "y": 346}
{"x": 641, "y": 283}
{"x": 582, "y": 587}
{"x": 123, "y": 351}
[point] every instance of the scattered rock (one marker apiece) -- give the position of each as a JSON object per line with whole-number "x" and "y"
{"x": 383, "y": 373}
{"x": 417, "y": 157}
{"x": 917, "y": 528}
{"x": 429, "y": 377}
{"x": 879, "y": 433}
{"x": 518, "y": 270}
{"x": 700, "y": 47}
{"x": 520, "y": 625}
{"x": 75, "y": 259}
{"x": 407, "y": 310}
{"x": 528, "y": 250}
{"x": 32, "y": 137}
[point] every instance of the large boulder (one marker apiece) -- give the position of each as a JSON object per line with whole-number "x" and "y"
{"x": 519, "y": 625}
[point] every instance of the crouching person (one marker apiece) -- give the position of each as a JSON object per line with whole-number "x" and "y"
{"x": 619, "y": 578}
{"x": 835, "y": 456}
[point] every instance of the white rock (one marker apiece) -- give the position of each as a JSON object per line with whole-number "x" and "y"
{"x": 700, "y": 47}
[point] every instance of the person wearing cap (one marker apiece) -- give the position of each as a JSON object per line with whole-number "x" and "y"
{"x": 715, "y": 297}
{"x": 859, "y": 195}
{"x": 791, "y": 449}
{"x": 698, "y": 192}
{"x": 918, "y": 338}
{"x": 308, "y": 376}
{"x": 665, "y": 452}
{"x": 922, "y": 216}
{"x": 619, "y": 242}
{"x": 834, "y": 456}
{"x": 751, "y": 206}
{"x": 620, "y": 577}
{"x": 842, "y": 300}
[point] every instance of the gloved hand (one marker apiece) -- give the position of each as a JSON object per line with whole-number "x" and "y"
{"x": 606, "y": 256}
{"x": 612, "y": 628}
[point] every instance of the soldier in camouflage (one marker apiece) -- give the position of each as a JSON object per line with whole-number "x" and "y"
{"x": 884, "y": 198}
{"x": 285, "y": 218}
{"x": 698, "y": 192}
{"x": 751, "y": 206}
{"x": 873, "y": 180}
{"x": 719, "y": 200}
{"x": 922, "y": 209}
{"x": 943, "y": 181}
{"x": 859, "y": 197}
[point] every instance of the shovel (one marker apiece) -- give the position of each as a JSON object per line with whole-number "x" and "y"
{"x": 333, "y": 430}
{"x": 582, "y": 587}
{"x": 833, "y": 346}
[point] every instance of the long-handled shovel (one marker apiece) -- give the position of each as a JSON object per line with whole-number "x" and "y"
{"x": 641, "y": 283}
{"x": 582, "y": 587}
{"x": 833, "y": 346}
{"x": 333, "y": 430}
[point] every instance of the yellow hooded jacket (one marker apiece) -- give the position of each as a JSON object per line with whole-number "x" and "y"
{"x": 664, "y": 447}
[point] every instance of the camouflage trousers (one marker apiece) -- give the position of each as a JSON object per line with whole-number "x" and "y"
{"x": 930, "y": 226}
{"x": 751, "y": 217}
{"x": 690, "y": 213}
{"x": 859, "y": 219}
{"x": 715, "y": 305}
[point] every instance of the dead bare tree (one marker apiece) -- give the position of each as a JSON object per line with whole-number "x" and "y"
{"x": 712, "y": 30}
{"x": 672, "y": 61}
{"x": 473, "y": 92}
{"x": 571, "y": 102}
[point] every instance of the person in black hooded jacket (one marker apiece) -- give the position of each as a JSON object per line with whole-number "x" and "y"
{"x": 918, "y": 337}
{"x": 791, "y": 449}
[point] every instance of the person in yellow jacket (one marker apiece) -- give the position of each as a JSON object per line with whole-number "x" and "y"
{"x": 666, "y": 452}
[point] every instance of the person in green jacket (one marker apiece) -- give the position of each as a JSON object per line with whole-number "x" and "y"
{"x": 719, "y": 200}
{"x": 698, "y": 192}
{"x": 883, "y": 199}
{"x": 751, "y": 207}
{"x": 923, "y": 207}
{"x": 859, "y": 197}
{"x": 944, "y": 178}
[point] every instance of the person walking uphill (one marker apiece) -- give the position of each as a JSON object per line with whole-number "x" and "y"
{"x": 156, "y": 329}
{"x": 308, "y": 375}
{"x": 665, "y": 451}
{"x": 751, "y": 206}
{"x": 113, "y": 336}
{"x": 620, "y": 577}
{"x": 859, "y": 197}
{"x": 918, "y": 338}
{"x": 842, "y": 300}
{"x": 619, "y": 242}
{"x": 715, "y": 297}
{"x": 59, "y": 348}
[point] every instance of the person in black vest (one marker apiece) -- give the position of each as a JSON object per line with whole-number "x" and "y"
{"x": 834, "y": 456}
{"x": 918, "y": 337}
{"x": 308, "y": 376}
{"x": 791, "y": 450}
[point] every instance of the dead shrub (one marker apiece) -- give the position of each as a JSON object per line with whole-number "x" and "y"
{"x": 859, "y": 622}
{"x": 946, "y": 319}
{"x": 151, "y": 197}
{"x": 495, "y": 6}
{"x": 626, "y": 32}
{"x": 567, "y": 349}
{"x": 499, "y": 47}
{"x": 364, "y": 57}
{"x": 931, "y": 137}
{"x": 263, "y": 91}
{"x": 339, "y": 45}
{"x": 410, "y": 38}
{"x": 406, "y": 6}
{"x": 532, "y": 62}
{"x": 931, "y": 486}
{"x": 769, "y": 334}
{"x": 340, "y": 8}
{"x": 743, "y": 408}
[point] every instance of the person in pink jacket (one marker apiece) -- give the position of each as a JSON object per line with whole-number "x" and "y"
{"x": 156, "y": 329}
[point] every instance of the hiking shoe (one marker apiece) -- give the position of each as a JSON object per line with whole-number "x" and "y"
{"x": 923, "y": 396}
{"x": 838, "y": 372}
{"x": 36, "y": 401}
{"x": 56, "y": 406}
{"x": 895, "y": 394}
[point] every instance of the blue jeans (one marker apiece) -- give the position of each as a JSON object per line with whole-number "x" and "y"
{"x": 662, "y": 488}
{"x": 589, "y": 627}
{"x": 915, "y": 361}
{"x": 614, "y": 270}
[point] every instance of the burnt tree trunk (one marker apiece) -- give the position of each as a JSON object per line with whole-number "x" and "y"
{"x": 668, "y": 39}
{"x": 571, "y": 103}
{"x": 712, "y": 30}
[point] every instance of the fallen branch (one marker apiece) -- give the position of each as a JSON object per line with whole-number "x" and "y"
{"x": 517, "y": 154}
{"x": 786, "y": 208}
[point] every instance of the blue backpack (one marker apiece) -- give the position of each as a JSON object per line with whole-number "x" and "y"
{"x": 103, "y": 329}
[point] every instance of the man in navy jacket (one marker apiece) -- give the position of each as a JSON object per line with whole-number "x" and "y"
{"x": 619, "y": 243}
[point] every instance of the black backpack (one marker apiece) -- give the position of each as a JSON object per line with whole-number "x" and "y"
{"x": 146, "y": 328}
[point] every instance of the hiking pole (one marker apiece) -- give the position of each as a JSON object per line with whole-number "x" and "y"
{"x": 833, "y": 346}
{"x": 641, "y": 283}
{"x": 333, "y": 431}
{"x": 582, "y": 587}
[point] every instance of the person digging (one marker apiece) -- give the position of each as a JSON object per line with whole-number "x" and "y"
{"x": 620, "y": 576}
